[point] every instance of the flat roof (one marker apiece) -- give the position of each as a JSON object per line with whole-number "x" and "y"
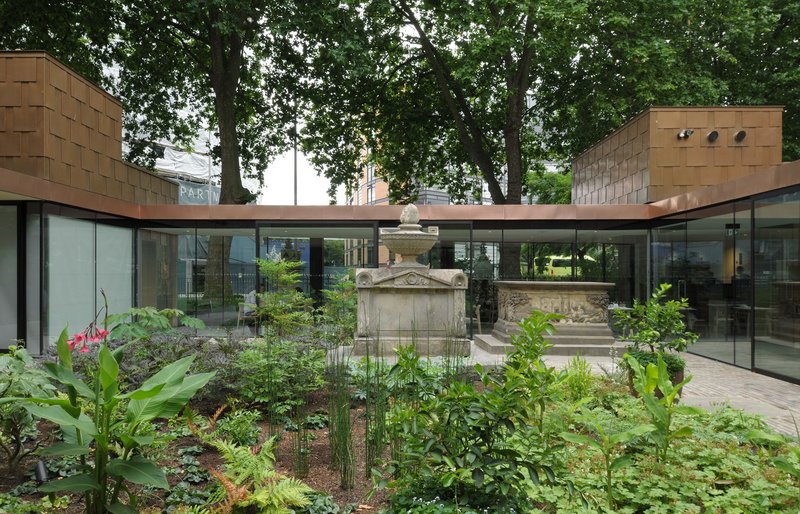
{"x": 15, "y": 186}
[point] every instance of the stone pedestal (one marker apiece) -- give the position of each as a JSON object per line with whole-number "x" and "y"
{"x": 401, "y": 306}
{"x": 584, "y": 329}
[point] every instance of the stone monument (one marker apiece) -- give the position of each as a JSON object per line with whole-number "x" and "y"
{"x": 583, "y": 330}
{"x": 408, "y": 302}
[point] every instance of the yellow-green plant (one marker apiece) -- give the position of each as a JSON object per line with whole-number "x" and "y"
{"x": 661, "y": 410}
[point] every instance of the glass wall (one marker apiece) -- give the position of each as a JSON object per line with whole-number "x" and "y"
{"x": 616, "y": 256}
{"x": 82, "y": 257}
{"x": 8, "y": 275}
{"x": 33, "y": 277}
{"x": 705, "y": 256}
{"x": 775, "y": 320}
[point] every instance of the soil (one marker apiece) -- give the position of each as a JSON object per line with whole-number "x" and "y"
{"x": 320, "y": 476}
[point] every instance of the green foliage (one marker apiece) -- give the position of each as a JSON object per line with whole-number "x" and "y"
{"x": 338, "y": 314}
{"x": 10, "y": 504}
{"x": 183, "y": 495}
{"x": 550, "y": 188}
{"x": 578, "y": 379}
{"x": 108, "y": 429}
{"x": 283, "y": 310}
{"x": 459, "y": 444}
{"x": 319, "y": 503}
{"x": 138, "y": 323}
{"x": 19, "y": 377}
{"x": 239, "y": 427}
{"x": 278, "y": 375}
{"x": 657, "y": 324}
{"x": 609, "y": 447}
{"x": 249, "y": 479}
{"x": 661, "y": 410}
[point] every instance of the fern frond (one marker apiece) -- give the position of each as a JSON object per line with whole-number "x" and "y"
{"x": 212, "y": 421}
{"x": 234, "y": 495}
{"x": 275, "y": 496}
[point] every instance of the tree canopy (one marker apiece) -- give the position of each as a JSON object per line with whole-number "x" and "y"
{"x": 181, "y": 68}
{"x": 451, "y": 93}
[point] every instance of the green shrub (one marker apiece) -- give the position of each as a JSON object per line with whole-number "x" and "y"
{"x": 578, "y": 379}
{"x": 19, "y": 377}
{"x": 278, "y": 375}
{"x": 239, "y": 427}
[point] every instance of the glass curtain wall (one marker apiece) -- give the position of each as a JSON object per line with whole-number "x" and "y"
{"x": 706, "y": 257}
{"x": 327, "y": 251}
{"x": 82, "y": 257}
{"x": 224, "y": 270}
{"x": 616, "y": 256}
{"x": 8, "y": 275}
{"x": 776, "y": 314}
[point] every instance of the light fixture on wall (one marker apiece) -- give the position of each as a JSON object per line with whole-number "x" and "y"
{"x": 685, "y": 133}
{"x": 739, "y": 137}
{"x": 712, "y": 136}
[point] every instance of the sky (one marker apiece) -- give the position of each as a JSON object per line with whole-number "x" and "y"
{"x": 279, "y": 183}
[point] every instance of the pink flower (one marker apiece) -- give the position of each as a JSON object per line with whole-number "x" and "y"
{"x": 84, "y": 349}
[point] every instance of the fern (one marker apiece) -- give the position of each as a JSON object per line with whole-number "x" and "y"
{"x": 249, "y": 479}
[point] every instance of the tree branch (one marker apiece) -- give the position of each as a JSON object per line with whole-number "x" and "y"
{"x": 471, "y": 136}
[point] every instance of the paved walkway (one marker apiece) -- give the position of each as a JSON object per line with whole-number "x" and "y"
{"x": 713, "y": 383}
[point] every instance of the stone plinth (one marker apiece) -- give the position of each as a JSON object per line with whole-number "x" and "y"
{"x": 583, "y": 330}
{"x": 399, "y": 306}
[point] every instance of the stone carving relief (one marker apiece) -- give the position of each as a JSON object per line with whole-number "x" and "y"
{"x": 513, "y": 306}
{"x": 412, "y": 279}
{"x": 364, "y": 279}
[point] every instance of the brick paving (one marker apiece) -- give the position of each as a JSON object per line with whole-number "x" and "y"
{"x": 714, "y": 383}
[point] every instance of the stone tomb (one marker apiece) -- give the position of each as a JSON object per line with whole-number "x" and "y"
{"x": 584, "y": 329}
{"x": 398, "y": 306}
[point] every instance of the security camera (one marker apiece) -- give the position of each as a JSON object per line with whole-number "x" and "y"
{"x": 685, "y": 133}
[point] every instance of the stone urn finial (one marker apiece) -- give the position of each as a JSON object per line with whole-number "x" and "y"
{"x": 409, "y": 240}
{"x": 410, "y": 215}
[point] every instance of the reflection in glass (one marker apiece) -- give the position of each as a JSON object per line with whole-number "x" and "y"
{"x": 776, "y": 318}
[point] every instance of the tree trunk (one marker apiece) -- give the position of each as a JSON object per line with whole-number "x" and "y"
{"x": 224, "y": 75}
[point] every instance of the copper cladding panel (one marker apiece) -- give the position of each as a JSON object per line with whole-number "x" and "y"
{"x": 656, "y": 164}
{"x": 61, "y": 127}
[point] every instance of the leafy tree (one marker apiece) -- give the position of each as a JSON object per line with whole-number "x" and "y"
{"x": 615, "y": 58}
{"x": 221, "y": 71}
{"x": 550, "y": 188}
{"x": 179, "y": 68}
{"x": 77, "y": 32}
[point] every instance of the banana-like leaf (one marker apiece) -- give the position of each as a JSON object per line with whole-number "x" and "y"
{"x": 64, "y": 353}
{"x": 64, "y": 449}
{"x": 171, "y": 374}
{"x": 120, "y": 508}
{"x": 56, "y": 414}
{"x": 109, "y": 369}
{"x": 67, "y": 377}
{"x": 138, "y": 470}
{"x": 76, "y": 483}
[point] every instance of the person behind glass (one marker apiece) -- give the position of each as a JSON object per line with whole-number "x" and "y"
{"x": 741, "y": 285}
